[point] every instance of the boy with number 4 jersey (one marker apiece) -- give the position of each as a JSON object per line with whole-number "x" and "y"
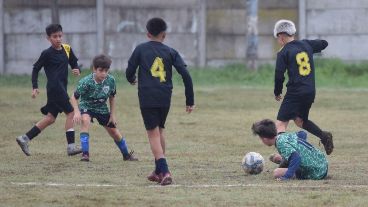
{"x": 296, "y": 57}
{"x": 155, "y": 61}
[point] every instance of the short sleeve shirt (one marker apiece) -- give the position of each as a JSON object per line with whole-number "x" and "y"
{"x": 93, "y": 95}
{"x": 313, "y": 161}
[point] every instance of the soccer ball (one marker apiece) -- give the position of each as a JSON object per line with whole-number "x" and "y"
{"x": 253, "y": 163}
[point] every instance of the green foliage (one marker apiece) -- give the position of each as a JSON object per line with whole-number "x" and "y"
{"x": 330, "y": 73}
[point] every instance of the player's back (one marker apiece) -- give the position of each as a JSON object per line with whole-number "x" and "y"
{"x": 313, "y": 160}
{"x": 297, "y": 57}
{"x": 155, "y": 61}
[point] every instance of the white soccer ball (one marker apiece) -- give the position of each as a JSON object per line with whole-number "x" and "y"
{"x": 253, "y": 163}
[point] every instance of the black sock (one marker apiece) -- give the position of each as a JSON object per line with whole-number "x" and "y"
{"x": 33, "y": 132}
{"x": 157, "y": 171}
{"x": 70, "y": 137}
{"x": 312, "y": 128}
{"x": 162, "y": 166}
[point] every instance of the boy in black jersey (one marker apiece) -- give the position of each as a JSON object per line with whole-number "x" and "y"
{"x": 55, "y": 62}
{"x": 296, "y": 56}
{"x": 155, "y": 61}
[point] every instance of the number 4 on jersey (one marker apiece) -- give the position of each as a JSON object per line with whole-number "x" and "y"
{"x": 158, "y": 70}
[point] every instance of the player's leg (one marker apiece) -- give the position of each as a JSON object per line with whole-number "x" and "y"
{"x": 162, "y": 139}
{"x": 23, "y": 140}
{"x": 279, "y": 172}
{"x": 162, "y": 169}
{"x": 303, "y": 121}
{"x": 164, "y": 111}
{"x": 84, "y": 136}
{"x": 154, "y": 119}
{"x": 72, "y": 149}
{"x": 286, "y": 112}
{"x": 120, "y": 142}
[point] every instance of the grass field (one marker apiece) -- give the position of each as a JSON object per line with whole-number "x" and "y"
{"x": 204, "y": 151}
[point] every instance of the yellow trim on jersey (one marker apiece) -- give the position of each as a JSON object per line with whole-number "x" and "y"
{"x": 67, "y": 49}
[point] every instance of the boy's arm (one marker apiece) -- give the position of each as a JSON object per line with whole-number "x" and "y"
{"x": 294, "y": 163}
{"x": 74, "y": 101}
{"x": 132, "y": 67}
{"x": 279, "y": 74}
{"x": 317, "y": 45}
{"x": 187, "y": 79}
{"x": 73, "y": 62}
{"x": 112, "y": 120}
{"x": 36, "y": 69}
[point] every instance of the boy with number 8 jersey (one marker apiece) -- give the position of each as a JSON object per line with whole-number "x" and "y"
{"x": 155, "y": 61}
{"x": 296, "y": 56}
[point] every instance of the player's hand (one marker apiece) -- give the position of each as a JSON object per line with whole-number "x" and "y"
{"x": 76, "y": 72}
{"x": 112, "y": 121}
{"x": 278, "y": 98}
{"x": 77, "y": 117}
{"x": 35, "y": 92}
{"x": 189, "y": 109}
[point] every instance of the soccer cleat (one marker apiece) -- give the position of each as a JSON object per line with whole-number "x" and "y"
{"x": 130, "y": 157}
{"x": 153, "y": 177}
{"x": 166, "y": 179}
{"x": 23, "y": 143}
{"x": 327, "y": 141}
{"x": 85, "y": 157}
{"x": 73, "y": 150}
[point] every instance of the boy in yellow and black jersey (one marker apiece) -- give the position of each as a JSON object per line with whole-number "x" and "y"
{"x": 54, "y": 61}
{"x": 296, "y": 57}
{"x": 155, "y": 60}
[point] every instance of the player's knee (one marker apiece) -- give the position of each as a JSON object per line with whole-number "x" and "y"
{"x": 50, "y": 120}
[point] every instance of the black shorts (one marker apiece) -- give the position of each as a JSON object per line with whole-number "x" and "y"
{"x": 295, "y": 106}
{"x": 103, "y": 119}
{"x": 153, "y": 117}
{"x": 56, "y": 107}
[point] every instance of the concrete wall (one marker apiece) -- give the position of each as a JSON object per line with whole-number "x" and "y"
{"x": 215, "y": 35}
{"x": 342, "y": 24}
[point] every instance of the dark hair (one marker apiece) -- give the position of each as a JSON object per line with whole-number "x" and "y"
{"x": 265, "y": 128}
{"x": 53, "y": 28}
{"x": 155, "y": 26}
{"x": 101, "y": 61}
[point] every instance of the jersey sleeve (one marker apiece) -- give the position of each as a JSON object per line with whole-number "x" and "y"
{"x": 317, "y": 45}
{"x": 37, "y": 67}
{"x": 279, "y": 73}
{"x": 132, "y": 66}
{"x": 81, "y": 89}
{"x": 73, "y": 60}
{"x": 181, "y": 67}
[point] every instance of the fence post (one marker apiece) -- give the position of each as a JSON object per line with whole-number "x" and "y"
{"x": 55, "y": 12}
{"x": 202, "y": 33}
{"x": 100, "y": 26}
{"x": 302, "y": 19}
{"x": 2, "y": 46}
{"x": 252, "y": 34}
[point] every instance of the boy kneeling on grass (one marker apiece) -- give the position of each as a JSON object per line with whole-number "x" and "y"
{"x": 304, "y": 160}
{"x": 93, "y": 91}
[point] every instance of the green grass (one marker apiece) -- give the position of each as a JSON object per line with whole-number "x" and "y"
{"x": 204, "y": 149}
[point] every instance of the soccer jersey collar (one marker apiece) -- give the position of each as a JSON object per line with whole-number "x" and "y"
{"x": 94, "y": 79}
